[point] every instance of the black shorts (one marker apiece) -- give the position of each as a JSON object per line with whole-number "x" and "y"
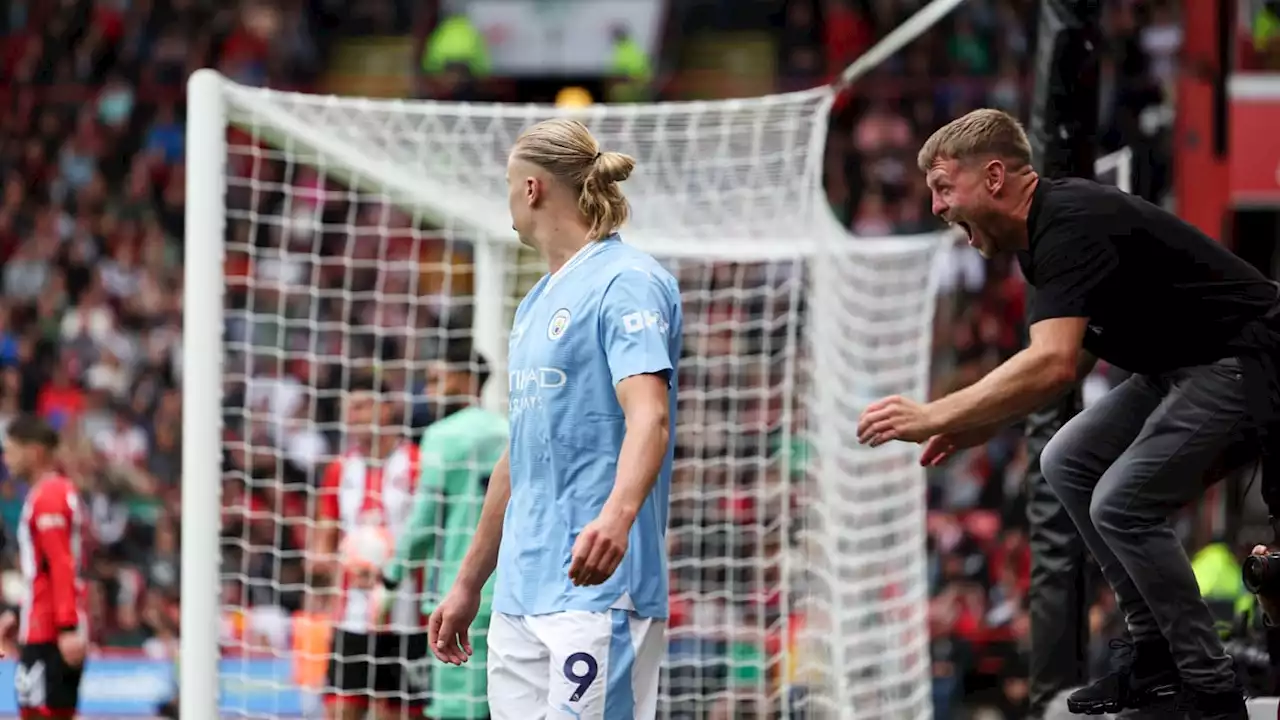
{"x": 390, "y": 668}
{"x": 44, "y": 682}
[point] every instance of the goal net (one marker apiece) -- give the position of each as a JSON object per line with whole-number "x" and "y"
{"x": 334, "y": 242}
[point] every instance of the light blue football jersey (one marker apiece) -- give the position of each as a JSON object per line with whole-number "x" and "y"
{"x": 610, "y": 313}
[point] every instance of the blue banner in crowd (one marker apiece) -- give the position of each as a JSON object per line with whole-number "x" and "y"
{"x": 127, "y": 687}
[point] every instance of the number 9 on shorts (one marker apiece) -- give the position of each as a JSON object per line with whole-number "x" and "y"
{"x": 600, "y": 666}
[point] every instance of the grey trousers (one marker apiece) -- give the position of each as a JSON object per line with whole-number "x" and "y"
{"x": 1121, "y": 468}
{"x": 1057, "y": 598}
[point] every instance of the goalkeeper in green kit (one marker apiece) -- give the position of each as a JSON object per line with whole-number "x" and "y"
{"x": 458, "y": 452}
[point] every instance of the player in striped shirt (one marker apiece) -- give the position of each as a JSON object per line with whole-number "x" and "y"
{"x": 365, "y": 499}
{"x": 575, "y": 517}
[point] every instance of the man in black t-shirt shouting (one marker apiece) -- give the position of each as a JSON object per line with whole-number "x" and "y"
{"x": 1115, "y": 278}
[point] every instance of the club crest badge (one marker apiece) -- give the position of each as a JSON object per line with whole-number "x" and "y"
{"x": 559, "y": 323}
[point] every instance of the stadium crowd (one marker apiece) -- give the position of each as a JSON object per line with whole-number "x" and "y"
{"x": 91, "y": 235}
{"x": 91, "y": 227}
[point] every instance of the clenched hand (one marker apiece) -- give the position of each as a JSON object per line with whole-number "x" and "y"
{"x": 599, "y": 550}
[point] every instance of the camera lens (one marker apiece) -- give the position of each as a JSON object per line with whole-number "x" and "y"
{"x": 1255, "y": 572}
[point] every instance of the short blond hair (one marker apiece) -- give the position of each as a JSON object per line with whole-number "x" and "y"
{"x": 981, "y": 133}
{"x": 569, "y": 152}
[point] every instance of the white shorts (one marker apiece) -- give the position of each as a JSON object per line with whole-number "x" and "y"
{"x": 575, "y": 665}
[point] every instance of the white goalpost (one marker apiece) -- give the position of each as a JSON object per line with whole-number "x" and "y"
{"x": 330, "y": 239}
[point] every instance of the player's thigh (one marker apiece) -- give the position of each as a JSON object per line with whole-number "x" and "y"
{"x": 649, "y": 638}
{"x": 1200, "y": 420}
{"x": 1077, "y": 455}
{"x": 44, "y": 684}
{"x": 519, "y": 670}
{"x": 603, "y": 665}
{"x": 401, "y": 674}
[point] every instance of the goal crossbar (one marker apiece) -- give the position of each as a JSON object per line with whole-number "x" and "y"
{"x": 430, "y": 192}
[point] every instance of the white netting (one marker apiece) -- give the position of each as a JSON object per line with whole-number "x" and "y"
{"x": 744, "y": 168}
{"x": 370, "y": 238}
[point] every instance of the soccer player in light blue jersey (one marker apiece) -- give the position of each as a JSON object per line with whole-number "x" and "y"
{"x": 575, "y": 517}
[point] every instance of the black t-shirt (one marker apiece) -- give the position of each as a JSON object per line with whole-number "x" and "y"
{"x": 1158, "y": 293}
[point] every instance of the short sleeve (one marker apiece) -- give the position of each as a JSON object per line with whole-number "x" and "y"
{"x": 1070, "y": 261}
{"x": 635, "y": 326}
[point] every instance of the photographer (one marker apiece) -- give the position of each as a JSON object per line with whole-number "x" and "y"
{"x": 1260, "y": 578}
{"x": 1255, "y": 582}
{"x": 1261, "y": 570}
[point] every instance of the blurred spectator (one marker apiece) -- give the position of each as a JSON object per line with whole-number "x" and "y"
{"x": 455, "y": 56}
{"x": 630, "y": 69}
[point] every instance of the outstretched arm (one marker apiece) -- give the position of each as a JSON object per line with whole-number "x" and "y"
{"x": 1029, "y": 380}
{"x": 1071, "y": 262}
{"x": 943, "y": 446}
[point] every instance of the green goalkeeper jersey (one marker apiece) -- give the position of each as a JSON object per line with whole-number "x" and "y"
{"x": 457, "y": 456}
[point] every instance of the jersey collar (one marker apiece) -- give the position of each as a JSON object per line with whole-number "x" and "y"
{"x": 580, "y": 257}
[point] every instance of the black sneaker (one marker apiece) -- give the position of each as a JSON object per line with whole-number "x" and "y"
{"x": 1144, "y": 674}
